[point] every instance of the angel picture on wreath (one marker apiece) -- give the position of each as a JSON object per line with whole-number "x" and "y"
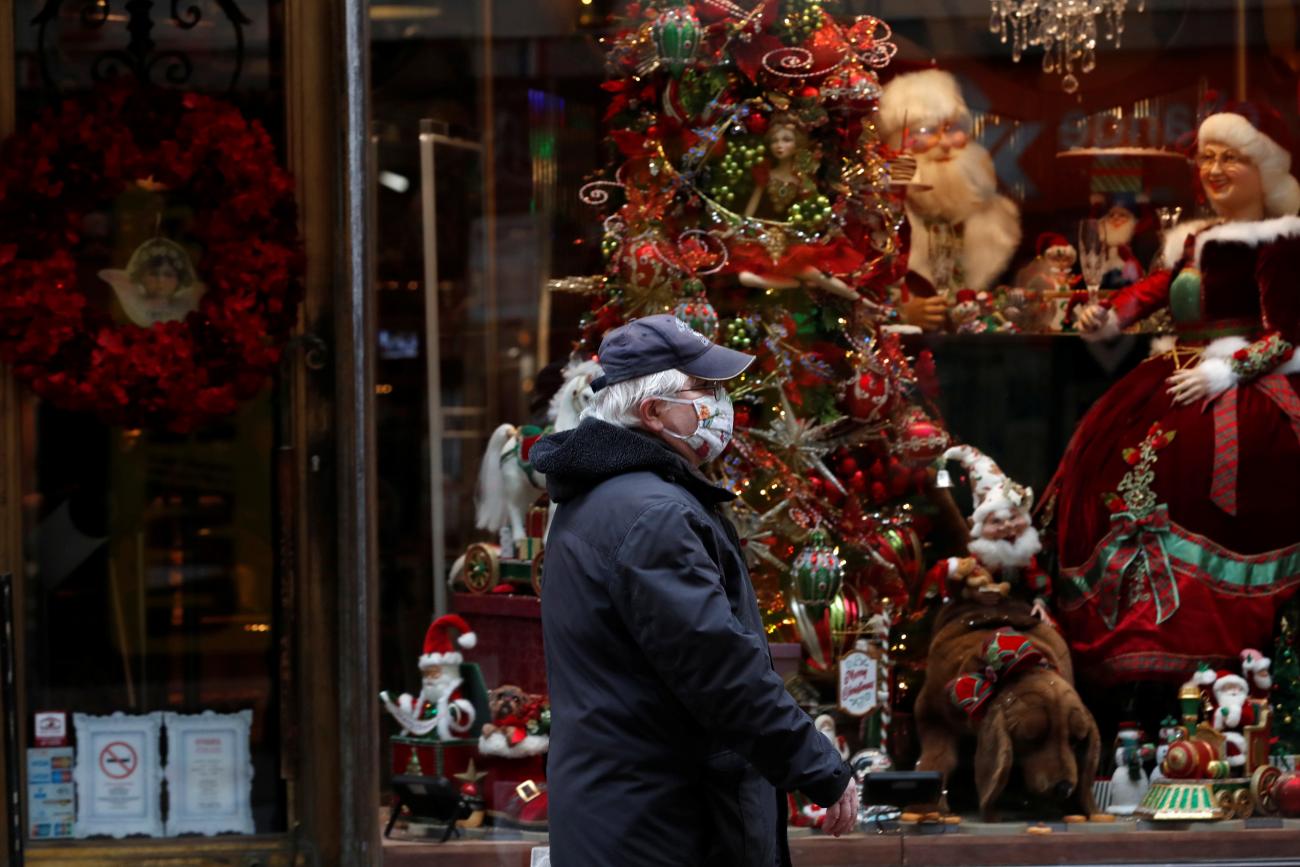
{"x": 159, "y": 283}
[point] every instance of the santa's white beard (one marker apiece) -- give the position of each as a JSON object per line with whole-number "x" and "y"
{"x": 438, "y": 689}
{"x": 961, "y": 185}
{"x": 1233, "y": 704}
{"x": 1001, "y": 554}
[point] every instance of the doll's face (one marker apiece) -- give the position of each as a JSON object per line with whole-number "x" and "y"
{"x": 1231, "y": 179}
{"x": 783, "y": 142}
{"x": 160, "y": 281}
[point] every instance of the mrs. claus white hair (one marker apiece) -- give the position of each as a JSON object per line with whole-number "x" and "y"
{"x": 1281, "y": 189}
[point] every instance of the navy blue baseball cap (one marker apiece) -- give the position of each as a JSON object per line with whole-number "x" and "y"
{"x": 662, "y": 342}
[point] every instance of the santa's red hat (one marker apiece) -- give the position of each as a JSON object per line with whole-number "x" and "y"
{"x": 965, "y": 296}
{"x": 1261, "y": 134}
{"x": 1227, "y": 678}
{"x": 438, "y": 647}
{"x": 1050, "y": 240}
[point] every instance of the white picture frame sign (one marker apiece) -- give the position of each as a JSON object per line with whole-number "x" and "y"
{"x": 857, "y": 683}
{"x": 117, "y": 775}
{"x": 209, "y": 773}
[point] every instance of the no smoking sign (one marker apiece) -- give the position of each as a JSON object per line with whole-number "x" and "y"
{"x": 118, "y": 760}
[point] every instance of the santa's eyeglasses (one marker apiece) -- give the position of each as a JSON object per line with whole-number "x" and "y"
{"x": 954, "y": 133}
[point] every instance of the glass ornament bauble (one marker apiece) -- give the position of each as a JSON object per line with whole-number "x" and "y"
{"x": 818, "y": 570}
{"x": 677, "y": 38}
{"x": 870, "y": 397}
{"x": 697, "y": 312}
{"x": 921, "y": 440}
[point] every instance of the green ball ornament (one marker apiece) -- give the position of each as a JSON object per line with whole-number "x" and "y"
{"x": 818, "y": 571}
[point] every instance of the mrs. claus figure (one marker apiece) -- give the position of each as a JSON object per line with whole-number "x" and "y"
{"x": 963, "y": 234}
{"x": 1175, "y": 504}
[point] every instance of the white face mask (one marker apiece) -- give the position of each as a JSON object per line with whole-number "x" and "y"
{"x": 715, "y": 421}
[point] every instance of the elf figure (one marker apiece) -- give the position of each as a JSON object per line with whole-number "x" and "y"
{"x": 1003, "y": 542}
{"x": 439, "y": 707}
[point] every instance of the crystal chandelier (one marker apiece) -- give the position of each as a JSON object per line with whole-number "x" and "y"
{"x": 1066, "y": 30}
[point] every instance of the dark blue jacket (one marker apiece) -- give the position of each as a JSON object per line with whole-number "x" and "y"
{"x": 672, "y": 738}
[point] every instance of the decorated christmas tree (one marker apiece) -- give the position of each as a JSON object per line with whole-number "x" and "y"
{"x": 1286, "y": 684}
{"x": 748, "y": 192}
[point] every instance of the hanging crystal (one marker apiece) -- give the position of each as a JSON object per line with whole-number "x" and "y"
{"x": 1066, "y": 30}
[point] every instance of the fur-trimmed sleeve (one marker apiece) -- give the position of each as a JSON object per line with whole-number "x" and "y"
{"x": 1142, "y": 298}
{"x": 1277, "y": 272}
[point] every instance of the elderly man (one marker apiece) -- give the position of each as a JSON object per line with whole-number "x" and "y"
{"x": 672, "y": 741}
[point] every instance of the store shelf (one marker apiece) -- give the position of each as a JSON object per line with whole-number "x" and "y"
{"x": 1224, "y": 844}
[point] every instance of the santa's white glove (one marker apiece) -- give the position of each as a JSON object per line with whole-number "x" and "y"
{"x": 1206, "y": 381}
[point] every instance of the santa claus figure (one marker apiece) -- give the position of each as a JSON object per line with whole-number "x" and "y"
{"x": 963, "y": 233}
{"x": 1003, "y": 542}
{"x": 1255, "y": 668}
{"x": 1233, "y": 713}
{"x": 1053, "y": 269}
{"x": 439, "y": 707}
{"x": 1122, "y": 268}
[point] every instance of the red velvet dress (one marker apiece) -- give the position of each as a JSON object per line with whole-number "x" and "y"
{"x": 1178, "y": 527}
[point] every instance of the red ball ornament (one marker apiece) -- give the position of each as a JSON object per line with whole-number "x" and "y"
{"x": 879, "y": 493}
{"x": 1286, "y": 793}
{"x": 858, "y": 482}
{"x": 757, "y": 124}
{"x": 877, "y": 469}
{"x": 921, "y": 440}
{"x": 871, "y": 398}
{"x": 810, "y": 93}
{"x": 848, "y": 466}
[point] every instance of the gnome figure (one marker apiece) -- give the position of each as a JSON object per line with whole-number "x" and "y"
{"x": 439, "y": 707}
{"x": 1003, "y": 542}
{"x": 963, "y": 233}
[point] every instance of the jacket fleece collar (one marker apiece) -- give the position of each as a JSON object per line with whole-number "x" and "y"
{"x": 574, "y": 461}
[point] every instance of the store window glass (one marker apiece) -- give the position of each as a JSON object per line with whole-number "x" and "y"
{"x": 919, "y": 227}
{"x": 151, "y": 560}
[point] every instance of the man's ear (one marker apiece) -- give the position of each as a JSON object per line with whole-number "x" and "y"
{"x": 649, "y": 414}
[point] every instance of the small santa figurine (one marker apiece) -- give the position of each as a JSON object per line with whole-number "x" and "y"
{"x": 439, "y": 707}
{"x": 1122, "y": 268}
{"x": 1004, "y": 543}
{"x": 963, "y": 233}
{"x": 1053, "y": 269}
{"x": 1233, "y": 713}
{"x": 1255, "y": 668}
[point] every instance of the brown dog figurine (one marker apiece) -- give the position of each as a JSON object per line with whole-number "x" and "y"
{"x": 1004, "y": 676}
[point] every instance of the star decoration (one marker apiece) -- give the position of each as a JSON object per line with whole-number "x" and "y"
{"x": 756, "y": 533}
{"x": 804, "y": 441}
{"x": 470, "y": 775}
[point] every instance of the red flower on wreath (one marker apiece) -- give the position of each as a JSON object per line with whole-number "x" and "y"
{"x": 74, "y": 161}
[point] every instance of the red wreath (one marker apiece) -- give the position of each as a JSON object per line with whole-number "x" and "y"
{"x": 75, "y": 160}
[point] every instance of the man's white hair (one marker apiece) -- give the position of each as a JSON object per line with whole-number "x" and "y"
{"x": 617, "y": 404}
